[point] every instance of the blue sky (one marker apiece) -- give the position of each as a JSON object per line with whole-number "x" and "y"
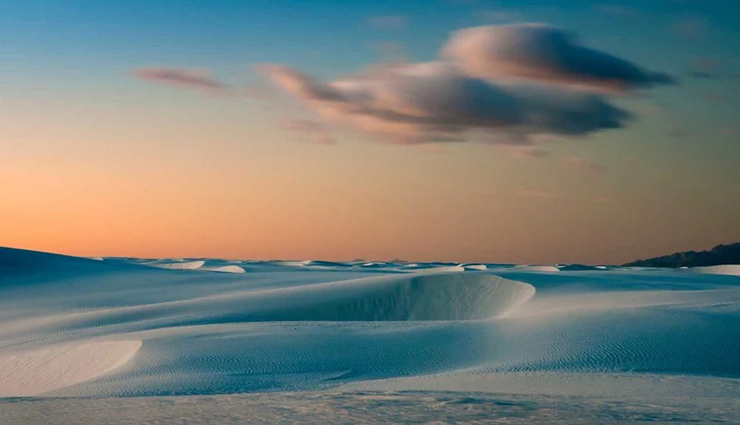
{"x": 69, "y": 91}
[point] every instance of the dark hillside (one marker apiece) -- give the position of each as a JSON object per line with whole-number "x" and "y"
{"x": 720, "y": 254}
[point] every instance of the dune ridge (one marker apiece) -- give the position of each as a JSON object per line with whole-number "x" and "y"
{"x": 34, "y": 372}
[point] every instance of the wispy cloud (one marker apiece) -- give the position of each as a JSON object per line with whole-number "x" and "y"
{"x": 706, "y": 64}
{"x": 706, "y": 68}
{"x": 182, "y": 78}
{"x": 582, "y": 164}
{"x": 256, "y": 91}
{"x": 690, "y": 26}
{"x": 703, "y": 75}
{"x": 729, "y": 131}
{"x": 549, "y": 195}
{"x": 678, "y": 133}
{"x": 387, "y": 22}
{"x": 539, "y": 194}
{"x": 309, "y": 130}
{"x": 526, "y": 152}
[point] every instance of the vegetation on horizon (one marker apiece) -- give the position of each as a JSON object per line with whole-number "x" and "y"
{"x": 720, "y": 254}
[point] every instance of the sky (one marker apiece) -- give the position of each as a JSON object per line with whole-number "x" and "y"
{"x": 435, "y": 130}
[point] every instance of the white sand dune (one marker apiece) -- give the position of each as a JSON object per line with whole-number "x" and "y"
{"x": 66, "y": 323}
{"x": 224, "y": 269}
{"x": 34, "y": 372}
{"x": 725, "y": 269}
{"x": 539, "y": 269}
{"x": 177, "y": 265}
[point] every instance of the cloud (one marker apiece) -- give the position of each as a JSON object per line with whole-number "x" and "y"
{"x": 690, "y": 26}
{"x": 435, "y": 102}
{"x": 527, "y": 152}
{"x": 716, "y": 98}
{"x": 506, "y": 85}
{"x": 705, "y": 68}
{"x": 300, "y": 84}
{"x": 183, "y": 78}
{"x": 678, "y": 133}
{"x": 388, "y": 22}
{"x": 255, "y": 91}
{"x": 311, "y": 130}
{"x": 730, "y": 131}
{"x": 539, "y": 194}
{"x": 706, "y": 64}
{"x": 703, "y": 75}
{"x": 545, "y": 54}
{"x": 582, "y": 164}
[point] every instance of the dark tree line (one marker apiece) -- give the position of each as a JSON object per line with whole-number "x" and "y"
{"x": 720, "y": 254}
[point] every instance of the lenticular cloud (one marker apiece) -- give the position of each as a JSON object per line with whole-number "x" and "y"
{"x": 493, "y": 83}
{"x": 436, "y": 102}
{"x": 543, "y": 53}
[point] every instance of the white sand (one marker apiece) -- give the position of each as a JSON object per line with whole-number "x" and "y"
{"x": 725, "y": 269}
{"x": 30, "y": 373}
{"x": 618, "y": 333}
{"x": 224, "y": 269}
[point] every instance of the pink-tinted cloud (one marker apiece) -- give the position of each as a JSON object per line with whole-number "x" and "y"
{"x": 545, "y": 54}
{"x": 505, "y": 85}
{"x": 582, "y": 164}
{"x": 259, "y": 92}
{"x": 182, "y": 78}
{"x": 434, "y": 102}
{"x": 299, "y": 84}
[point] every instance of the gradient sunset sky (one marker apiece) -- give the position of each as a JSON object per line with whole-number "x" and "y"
{"x": 344, "y": 129}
